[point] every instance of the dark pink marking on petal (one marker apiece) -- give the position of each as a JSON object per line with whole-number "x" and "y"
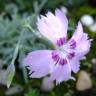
{"x": 61, "y": 41}
{"x": 72, "y": 44}
{"x": 62, "y": 61}
{"x": 55, "y": 56}
{"x": 71, "y": 55}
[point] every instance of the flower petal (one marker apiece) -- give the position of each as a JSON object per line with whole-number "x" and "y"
{"x": 78, "y": 33}
{"x": 61, "y": 73}
{"x": 59, "y": 14}
{"x": 83, "y": 46}
{"x": 65, "y": 74}
{"x": 39, "y": 63}
{"x": 75, "y": 65}
{"x": 52, "y": 27}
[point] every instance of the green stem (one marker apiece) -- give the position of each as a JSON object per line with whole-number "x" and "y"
{"x": 11, "y": 68}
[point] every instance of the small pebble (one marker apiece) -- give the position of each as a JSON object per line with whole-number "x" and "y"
{"x": 87, "y": 20}
{"x": 84, "y": 81}
{"x": 93, "y": 27}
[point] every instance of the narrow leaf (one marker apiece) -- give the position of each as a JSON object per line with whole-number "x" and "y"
{"x": 10, "y": 74}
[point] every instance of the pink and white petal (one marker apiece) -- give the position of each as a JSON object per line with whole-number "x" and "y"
{"x": 78, "y": 32}
{"x": 55, "y": 26}
{"x": 45, "y": 30}
{"x": 54, "y": 74}
{"x": 59, "y": 14}
{"x": 40, "y": 73}
{"x": 61, "y": 73}
{"x": 58, "y": 27}
{"x": 65, "y": 74}
{"x": 52, "y": 27}
{"x": 83, "y": 46}
{"x": 75, "y": 65}
{"x": 39, "y": 63}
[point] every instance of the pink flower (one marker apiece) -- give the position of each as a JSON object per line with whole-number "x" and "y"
{"x": 58, "y": 64}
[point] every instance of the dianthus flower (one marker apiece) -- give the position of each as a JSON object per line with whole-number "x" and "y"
{"x": 58, "y": 64}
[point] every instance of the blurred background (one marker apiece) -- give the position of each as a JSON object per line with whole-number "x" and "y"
{"x": 19, "y": 36}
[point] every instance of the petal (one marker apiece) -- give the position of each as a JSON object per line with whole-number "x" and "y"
{"x": 78, "y": 33}
{"x": 83, "y": 46}
{"x": 75, "y": 65}
{"x": 59, "y": 14}
{"x": 65, "y": 74}
{"x": 82, "y": 43}
{"x": 61, "y": 73}
{"x": 39, "y": 63}
{"x": 45, "y": 29}
{"x": 52, "y": 27}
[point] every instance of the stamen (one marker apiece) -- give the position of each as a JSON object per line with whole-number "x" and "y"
{"x": 73, "y": 44}
{"x": 62, "y": 61}
{"x": 61, "y": 41}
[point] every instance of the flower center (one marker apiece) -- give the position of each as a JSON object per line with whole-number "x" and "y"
{"x": 58, "y": 59}
{"x": 62, "y": 55}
